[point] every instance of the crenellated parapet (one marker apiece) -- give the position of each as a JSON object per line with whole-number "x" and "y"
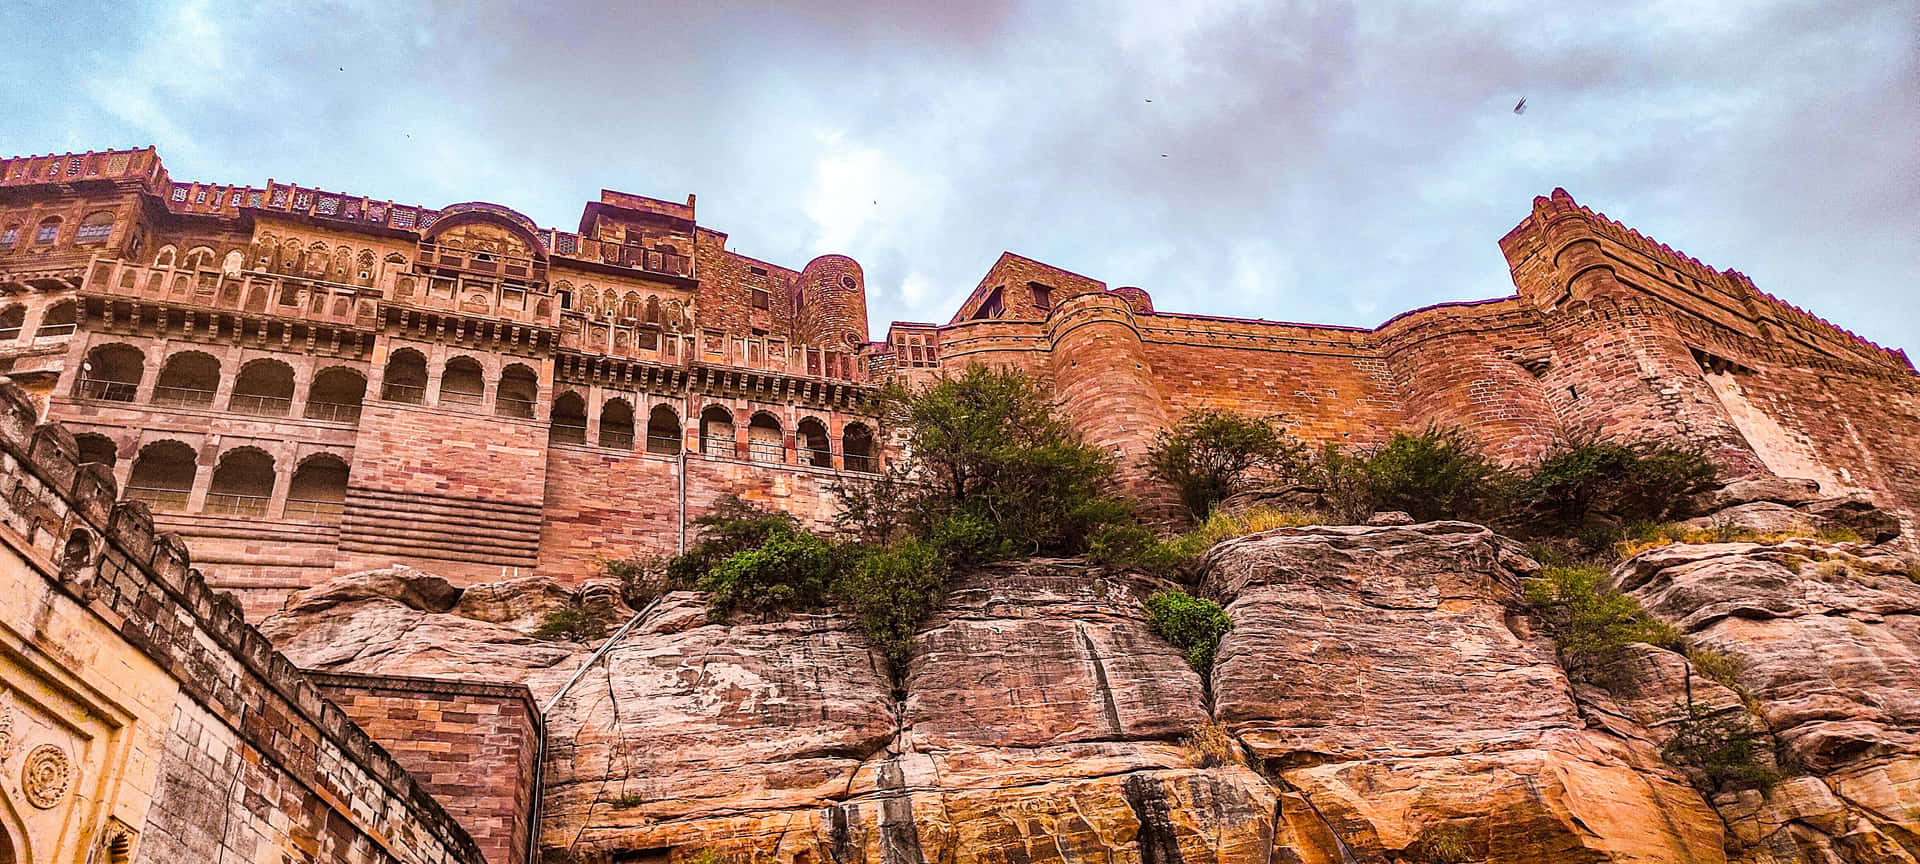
{"x": 106, "y": 556}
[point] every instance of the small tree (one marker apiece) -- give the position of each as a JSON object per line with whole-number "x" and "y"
{"x": 1213, "y": 454}
{"x": 988, "y": 470}
{"x": 730, "y": 526}
{"x": 1583, "y": 478}
{"x": 790, "y": 569}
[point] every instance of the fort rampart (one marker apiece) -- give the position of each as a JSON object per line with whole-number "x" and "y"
{"x": 305, "y": 382}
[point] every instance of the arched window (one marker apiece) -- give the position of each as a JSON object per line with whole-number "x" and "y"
{"x": 653, "y": 310}
{"x": 60, "y": 319}
{"x": 336, "y": 395}
{"x": 95, "y": 228}
{"x": 242, "y": 484}
{"x": 764, "y": 442}
{"x": 856, "y": 446}
{"x": 12, "y": 319}
{"x": 319, "y": 489}
{"x": 162, "y": 475}
{"x": 815, "y": 448}
{"x": 463, "y": 382}
{"x": 406, "y": 378}
{"x": 163, "y": 258}
{"x": 264, "y": 388}
{"x": 291, "y": 256}
{"x": 199, "y": 258}
{"x": 519, "y": 387}
{"x": 189, "y": 378}
{"x": 95, "y": 447}
{"x": 111, "y": 372}
{"x": 630, "y": 308}
{"x": 48, "y": 231}
{"x": 663, "y": 431}
{"x": 10, "y": 236}
{"x": 616, "y": 424}
{"x": 569, "y": 424}
{"x": 317, "y": 257}
{"x": 716, "y": 432}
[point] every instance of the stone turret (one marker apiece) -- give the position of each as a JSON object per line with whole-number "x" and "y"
{"x": 830, "y": 303}
{"x": 1105, "y": 382}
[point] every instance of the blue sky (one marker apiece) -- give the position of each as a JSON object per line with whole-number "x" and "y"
{"x": 1294, "y": 160}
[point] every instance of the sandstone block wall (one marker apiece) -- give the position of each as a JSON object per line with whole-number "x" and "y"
{"x": 475, "y": 747}
{"x": 256, "y": 762}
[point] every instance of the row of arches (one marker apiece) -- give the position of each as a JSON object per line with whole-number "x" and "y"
{"x": 59, "y": 319}
{"x": 264, "y": 387}
{"x": 765, "y": 440}
{"x": 317, "y": 260}
{"x": 245, "y": 481}
{"x": 627, "y": 308}
{"x": 462, "y": 382}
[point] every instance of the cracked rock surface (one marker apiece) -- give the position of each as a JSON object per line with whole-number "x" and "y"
{"x": 1386, "y": 683}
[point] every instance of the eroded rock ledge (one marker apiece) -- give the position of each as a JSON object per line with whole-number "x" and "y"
{"x": 1385, "y": 682}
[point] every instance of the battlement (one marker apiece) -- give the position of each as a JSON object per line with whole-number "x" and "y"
{"x": 107, "y": 556}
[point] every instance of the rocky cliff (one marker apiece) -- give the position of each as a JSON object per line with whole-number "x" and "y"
{"x": 1385, "y": 696}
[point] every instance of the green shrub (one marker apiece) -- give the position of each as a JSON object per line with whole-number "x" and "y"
{"x": 1210, "y": 745}
{"x": 1592, "y": 622}
{"x": 642, "y": 578}
{"x": 891, "y": 589}
{"x": 729, "y": 527}
{"x": 1346, "y": 487}
{"x": 1583, "y": 478}
{"x": 989, "y": 470}
{"x": 790, "y": 569}
{"x": 1440, "y": 473}
{"x": 575, "y": 622}
{"x": 1192, "y": 625}
{"x": 1732, "y": 754}
{"x": 1213, "y": 454}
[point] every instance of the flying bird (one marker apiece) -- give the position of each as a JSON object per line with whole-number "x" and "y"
{"x": 1521, "y": 108}
{"x": 1149, "y": 100}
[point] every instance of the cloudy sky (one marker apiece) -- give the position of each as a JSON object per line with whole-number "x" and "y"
{"x": 1289, "y": 160}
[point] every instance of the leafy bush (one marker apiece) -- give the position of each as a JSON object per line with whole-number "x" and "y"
{"x": 1732, "y": 754}
{"x": 1212, "y": 454}
{"x": 1592, "y": 622}
{"x": 1346, "y": 485}
{"x": 1440, "y": 473}
{"x": 892, "y": 589}
{"x": 575, "y": 622}
{"x": 729, "y": 527}
{"x": 1583, "y": 478}
{"x": 790, "y": 569}
{"x": 1192, "y": 625}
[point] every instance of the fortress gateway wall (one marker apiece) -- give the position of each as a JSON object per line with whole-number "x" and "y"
{"x": 304, "y": 382}
{"x": 144, "y": 720}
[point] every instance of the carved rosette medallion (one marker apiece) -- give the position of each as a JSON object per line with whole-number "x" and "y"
{"x": 46, "y": 776}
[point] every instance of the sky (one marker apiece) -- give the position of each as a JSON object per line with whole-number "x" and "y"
{"x": 1301, "y": 161}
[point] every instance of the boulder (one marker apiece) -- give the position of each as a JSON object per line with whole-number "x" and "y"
{"x": 1746, "y": 490}
{"x": 1858, "y": 514}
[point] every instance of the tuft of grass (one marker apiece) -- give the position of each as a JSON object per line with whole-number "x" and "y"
{"x": 1719, "y": 666}
{"x": 1209, "y": 745}
{"x": 1135, "y": 547}
{"x": 1913, "y": 572}
{"x": 1445, "y": 844}
{"x": 1730, "y": 754}
{"x": 627, "y": 801}
{"x": 1832, "y": 570}
{"x": 1839, "y": 534}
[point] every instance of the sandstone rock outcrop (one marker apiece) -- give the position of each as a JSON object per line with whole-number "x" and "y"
{"x": 1827, "y": 642}
{"x": 1389, "y": 674}
{"x": 1386, "y": 684}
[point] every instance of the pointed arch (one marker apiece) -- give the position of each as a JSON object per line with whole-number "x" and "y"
{"x": 336, "y": 395}
{"x": 716, "y": 432}
{"x": 242, "y": 483}
{"x": 111, "y": 373}
{"x": 189, "y": 378}
{"x": 856, "y": 448}
{"x": 569, "y": 420}
{"x": 765, "y": 442}
{"x": 164, "y": 257}
{"x": 163, "y": 475}
{"x": 318, "y": 491}
{"x": 816, "y": 449}
{"x": 406, "y": 377}
{"x": 519, "y": 388}
{"x": 616, "y": 424}
{"x": 263, "y": 388}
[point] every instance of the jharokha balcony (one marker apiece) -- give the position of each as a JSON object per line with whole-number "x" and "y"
{"x": 244, "y": 291}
